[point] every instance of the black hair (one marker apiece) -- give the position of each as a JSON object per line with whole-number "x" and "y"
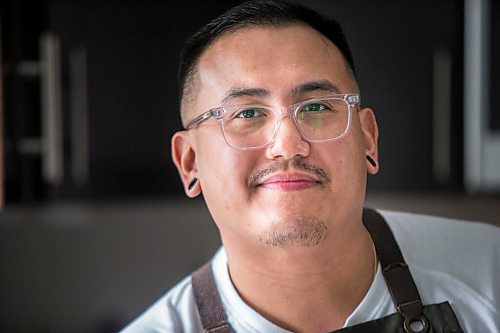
{"x": 256, "y": 13}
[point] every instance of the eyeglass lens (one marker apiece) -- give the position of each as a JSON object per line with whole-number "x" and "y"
{"x": 250, "y": 126}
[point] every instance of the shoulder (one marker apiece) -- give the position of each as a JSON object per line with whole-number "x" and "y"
{"x": 437, "y": 222}
{"x": 453, "y": 260}
{"x": 175, "y": 311}
{"x": 429, "y": 238}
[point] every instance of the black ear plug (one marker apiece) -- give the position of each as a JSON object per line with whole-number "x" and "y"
{"x": 371, "y": 160}
{"x": 192, "y": 184}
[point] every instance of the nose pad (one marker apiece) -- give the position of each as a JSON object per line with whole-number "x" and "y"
{"x": 288, "y": 141}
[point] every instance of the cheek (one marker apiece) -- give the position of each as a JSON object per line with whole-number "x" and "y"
{"x": 354, "y": 171}
{"x": 223, "y": 173}
{"x": 346, "y": 161}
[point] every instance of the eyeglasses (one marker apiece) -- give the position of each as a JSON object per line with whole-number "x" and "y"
{"x": 252, "y": 126}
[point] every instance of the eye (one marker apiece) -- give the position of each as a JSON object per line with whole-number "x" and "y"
{"x": 250, "y": 113}
{"x": 314, "y": 107}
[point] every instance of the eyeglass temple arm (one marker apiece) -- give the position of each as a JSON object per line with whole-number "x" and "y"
{"x": 203, "y": 117}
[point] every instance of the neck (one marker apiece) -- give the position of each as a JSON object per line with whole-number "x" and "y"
{"x": 305, "y": 289}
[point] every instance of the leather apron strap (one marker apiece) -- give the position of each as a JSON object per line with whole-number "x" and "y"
{"x": 411, "y": 317}
{"x": 210, "y": 308}
{"x": 397, "y": 276}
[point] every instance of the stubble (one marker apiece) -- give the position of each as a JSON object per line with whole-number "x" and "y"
{"x": 305, "y": 232}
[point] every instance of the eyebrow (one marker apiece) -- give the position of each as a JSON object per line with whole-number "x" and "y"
{"x": 297, "y": 91}
{"x": 315, "y": 85}
{"x": 245, "y": 92}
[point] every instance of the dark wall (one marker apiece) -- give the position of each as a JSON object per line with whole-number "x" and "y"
{"x": 132, "y": 49}
{"x": 393, "y": 44}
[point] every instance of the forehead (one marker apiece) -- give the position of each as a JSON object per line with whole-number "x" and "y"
{"x": 276, "y": 59}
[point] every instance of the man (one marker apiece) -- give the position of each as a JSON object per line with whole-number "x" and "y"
{"x": 278, "y": 143}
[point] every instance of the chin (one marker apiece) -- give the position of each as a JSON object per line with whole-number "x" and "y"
{"x": 295, "y": 231}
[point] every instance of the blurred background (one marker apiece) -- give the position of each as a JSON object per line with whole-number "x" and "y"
{"x": 95, "y": 225}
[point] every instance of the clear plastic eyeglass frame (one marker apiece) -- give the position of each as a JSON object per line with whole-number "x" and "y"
{"x": 351, "y": 99}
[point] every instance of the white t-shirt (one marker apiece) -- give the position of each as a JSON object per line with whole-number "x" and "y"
{"x": 450, "y": 260}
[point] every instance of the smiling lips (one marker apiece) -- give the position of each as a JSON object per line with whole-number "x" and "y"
{"x": 289, "y": 182}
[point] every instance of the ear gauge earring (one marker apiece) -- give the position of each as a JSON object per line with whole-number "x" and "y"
{"x": 192, "y": 184}
{"x": 371, "y": 160}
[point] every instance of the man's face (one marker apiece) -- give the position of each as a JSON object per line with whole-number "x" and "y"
{"x": 292, "y": 191}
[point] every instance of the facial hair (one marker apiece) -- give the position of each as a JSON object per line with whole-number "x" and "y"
{"x": 296, "y": 163}
{"x": 293, "y": 231}
{"x": 304, "y": 232}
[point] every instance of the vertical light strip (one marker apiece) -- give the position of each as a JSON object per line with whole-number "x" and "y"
{"x": 475, "y": 90}
{"x": 51, "y": 95}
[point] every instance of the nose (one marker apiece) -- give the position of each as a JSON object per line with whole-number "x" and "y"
{"x": 287, "y": 142}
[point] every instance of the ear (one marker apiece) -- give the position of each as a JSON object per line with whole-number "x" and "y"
{"x": 184, "y": 158}
{"x": 369, "y": 128}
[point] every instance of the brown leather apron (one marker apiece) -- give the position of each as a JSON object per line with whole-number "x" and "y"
{"x": 411, "y": 317}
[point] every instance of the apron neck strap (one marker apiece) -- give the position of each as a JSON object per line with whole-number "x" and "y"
{"x": 210, "y": 308}
{"x": 397, "y": 276}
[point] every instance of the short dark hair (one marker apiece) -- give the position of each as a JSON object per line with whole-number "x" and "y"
{"x": 256, "y": 13}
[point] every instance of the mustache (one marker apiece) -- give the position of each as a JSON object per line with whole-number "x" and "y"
{"x": 296, "y": 164}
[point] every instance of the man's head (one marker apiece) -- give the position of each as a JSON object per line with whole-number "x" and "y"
{"x": 308, "y": 180}
{"x": 252, "y": 14}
